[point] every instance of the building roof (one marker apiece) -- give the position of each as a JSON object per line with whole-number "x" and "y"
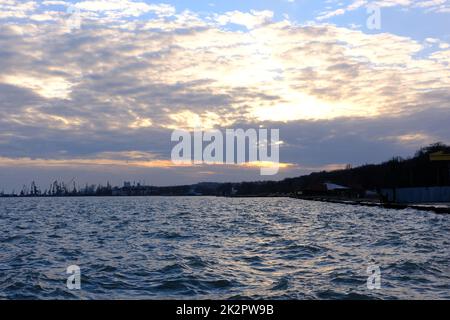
{"x": 332, "y": 186}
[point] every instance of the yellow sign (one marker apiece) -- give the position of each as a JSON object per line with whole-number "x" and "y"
{"x": 439, "y": 156}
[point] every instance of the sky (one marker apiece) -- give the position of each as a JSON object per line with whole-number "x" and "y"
{"x": 92, "y": 90}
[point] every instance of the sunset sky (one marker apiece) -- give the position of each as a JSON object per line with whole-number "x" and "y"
{"x": 92, "y": 90}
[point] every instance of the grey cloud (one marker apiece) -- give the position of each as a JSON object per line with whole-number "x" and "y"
{"x": 118, "y": 75}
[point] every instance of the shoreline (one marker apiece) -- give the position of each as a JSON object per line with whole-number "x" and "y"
{"x": 376, "y": 203}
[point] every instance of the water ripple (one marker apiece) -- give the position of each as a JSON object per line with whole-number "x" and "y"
{"x": 205, "y": 247}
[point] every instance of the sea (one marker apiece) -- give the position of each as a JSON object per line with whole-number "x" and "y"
{"x": 219, "y": 248}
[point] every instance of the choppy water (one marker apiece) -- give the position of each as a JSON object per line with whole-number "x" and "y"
{"x": 219, "y": 248}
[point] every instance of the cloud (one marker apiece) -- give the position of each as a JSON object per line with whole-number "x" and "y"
{"x": 330, "y": 14}
{"x": 431, "y": 6}
{"x": 250, "y": 19}
{"x": 109, "y": 88}
{"x": 125, "y": 8}
{"x": 114, "y": 78}
{"x": 81, "y": 162}
{"x": 16, "y": 9}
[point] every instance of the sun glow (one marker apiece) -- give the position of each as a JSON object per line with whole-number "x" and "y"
{"x": 51, "y": 87}
{"x": 304, "y": 107}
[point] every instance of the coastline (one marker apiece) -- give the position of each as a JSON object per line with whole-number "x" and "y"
{"x": 375, "y": 203}
{"x": 438, "y": 208}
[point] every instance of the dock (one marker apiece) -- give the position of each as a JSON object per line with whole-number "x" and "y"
{"x": 436, "y": 208}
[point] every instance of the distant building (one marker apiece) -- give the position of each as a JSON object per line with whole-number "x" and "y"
{"x": 331, "y": 189}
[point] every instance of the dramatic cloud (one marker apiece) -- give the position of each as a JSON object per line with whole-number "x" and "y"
{"x": 134, "y": 71}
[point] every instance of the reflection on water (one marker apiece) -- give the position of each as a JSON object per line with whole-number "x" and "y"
{"x": 219, "y": 248}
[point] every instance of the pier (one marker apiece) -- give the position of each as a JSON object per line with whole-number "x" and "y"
{"x": 436, "y": 208}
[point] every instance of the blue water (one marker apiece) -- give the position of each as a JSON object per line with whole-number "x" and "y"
{"x": 219, "y": 248}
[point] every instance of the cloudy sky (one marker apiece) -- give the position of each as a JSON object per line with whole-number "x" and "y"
{"x": 92, "y": 90}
